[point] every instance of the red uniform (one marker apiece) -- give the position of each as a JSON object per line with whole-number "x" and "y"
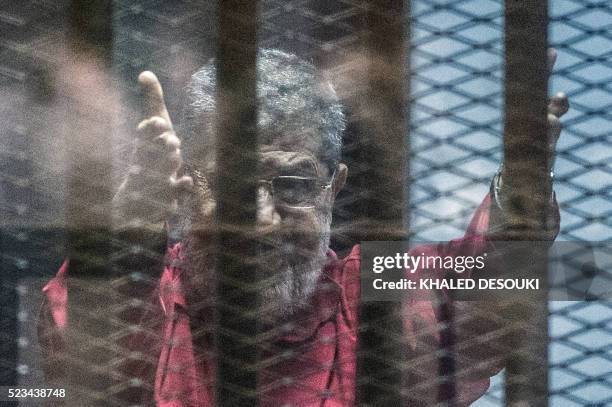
{"x": 315, "y": 363}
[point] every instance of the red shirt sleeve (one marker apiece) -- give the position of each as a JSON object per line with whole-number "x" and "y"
{"x": 56, "y": 298}
{"x": 52, "y": 320}
{"x": 142, "y": 345}
{"x": 478, "y": 327}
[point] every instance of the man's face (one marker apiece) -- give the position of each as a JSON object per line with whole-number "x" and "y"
{"x": 295, "y": 196}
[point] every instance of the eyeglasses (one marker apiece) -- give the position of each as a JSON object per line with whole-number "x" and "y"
{"x": 295, "y": 191}
{"x": 287, "y": 190}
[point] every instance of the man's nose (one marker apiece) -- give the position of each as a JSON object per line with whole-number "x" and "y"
{"x": 266, "y": 210}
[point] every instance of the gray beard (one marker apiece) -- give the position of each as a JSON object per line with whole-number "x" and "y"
{"x": 288, "y": 280}
{"x": 288, "y": 286}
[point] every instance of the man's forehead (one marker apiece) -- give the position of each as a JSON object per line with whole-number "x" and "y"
{"x": 290, "y": 150}
{"x": 287, "y": 135}
{"x": 271, "y": 158}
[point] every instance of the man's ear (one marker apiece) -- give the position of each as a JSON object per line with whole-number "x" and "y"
{"x": 340, "y": 179}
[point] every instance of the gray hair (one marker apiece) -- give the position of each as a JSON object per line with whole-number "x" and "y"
{"x": 287, "y": 88}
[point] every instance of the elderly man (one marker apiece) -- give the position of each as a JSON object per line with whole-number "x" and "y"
{"x": 310, "y": 294}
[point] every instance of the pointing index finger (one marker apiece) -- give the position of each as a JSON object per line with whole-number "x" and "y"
{"x": 152, "y": 96}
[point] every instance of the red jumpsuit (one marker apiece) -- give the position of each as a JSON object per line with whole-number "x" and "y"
{"x": 316, "y": 365}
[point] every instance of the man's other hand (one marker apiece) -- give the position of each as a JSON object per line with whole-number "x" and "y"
{"x": 558, "y": 105}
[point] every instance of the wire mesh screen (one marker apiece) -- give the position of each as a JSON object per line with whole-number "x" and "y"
{"x": 457, "y": 115}
{"x": 415, "y": 89}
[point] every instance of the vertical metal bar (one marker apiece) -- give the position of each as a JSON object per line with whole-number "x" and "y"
{"x": 383, "y": 211}
{"x": 89, "y": 194}
{"x": 236, "y": 210}
{"x": 89, "y": 376}
{"x": 15, "y": 198}
{"x": 526, "y": 170}
{"x": 91, "y": 28}
{"x": 447, "y": 390}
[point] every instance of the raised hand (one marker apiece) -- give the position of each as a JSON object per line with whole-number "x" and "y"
{"x": 558, "y": 105}
{"x": 148, "y": 193}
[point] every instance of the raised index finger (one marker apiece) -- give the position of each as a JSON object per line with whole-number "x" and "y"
{"x": 152, "y": 96}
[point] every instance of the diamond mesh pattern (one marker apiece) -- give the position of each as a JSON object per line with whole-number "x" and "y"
{"x": 455, "y": 121}
{"x": 457, "y": 113}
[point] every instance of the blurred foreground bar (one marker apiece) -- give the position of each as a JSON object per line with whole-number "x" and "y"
{"x": 526, "y": 170}
{"x": 381, "y": 212}
{"x": 89, "y": 373}
{"x": 89, "y": 187}
{"x": 237, "y": 300}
